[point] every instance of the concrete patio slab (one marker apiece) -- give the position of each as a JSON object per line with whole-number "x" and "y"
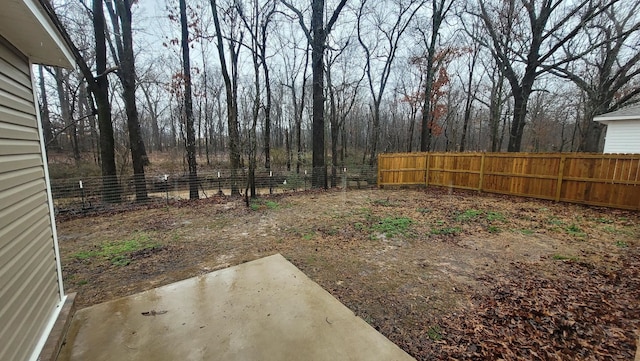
{"x": 261, "y": 310}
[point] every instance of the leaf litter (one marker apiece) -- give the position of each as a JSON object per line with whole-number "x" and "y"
{"x": 511, "y": 283}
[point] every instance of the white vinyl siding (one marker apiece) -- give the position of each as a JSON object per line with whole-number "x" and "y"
{"x": 623, "y": 136}
{"x": 29, "y": 288}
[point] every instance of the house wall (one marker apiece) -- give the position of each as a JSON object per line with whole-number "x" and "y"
{"x": 30, "y": 292}
{"x": 623, "y": 136}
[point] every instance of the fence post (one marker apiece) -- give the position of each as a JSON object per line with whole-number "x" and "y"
{"x": 481, "y": 182}
{"x": 426, "y": 184}
{"x": 379, "y": 170}
{"x": 563, "y": 157}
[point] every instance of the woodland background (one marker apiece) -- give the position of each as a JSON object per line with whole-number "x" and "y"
{"x": 251, "y": 86}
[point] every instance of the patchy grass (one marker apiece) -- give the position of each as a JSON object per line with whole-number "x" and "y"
{"x": 456, "y": 291}
{"x": 258, "y": 204}
{"x": 622, "y": 244}
{"x": 468, "y": 215}
{"x": 434, "y": 333}
{"x": 493, "y": 216}
{"x": 555, "y": 221}
{"x": 118, "y": 252}
{"x": 575, "y": 231}
{"x": 392, "y": 226}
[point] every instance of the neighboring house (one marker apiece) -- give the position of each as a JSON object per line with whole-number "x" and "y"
{"x": 623, "y": 130}
{"x": 31, "y": 290}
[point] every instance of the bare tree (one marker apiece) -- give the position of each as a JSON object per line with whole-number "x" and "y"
{"x": 188, "y": 104}
{"x": 230, "y": 77}
{"x": 121, "y": 19}
{"x": 342, "y": 98}
{"x": 98, "y": 85}
{"x": 383, "y": 40}
{"x": 524, "y": 38}
{"x": 606, "y": 74}
{"x": 440, "y": 10}
{"x": 295, "y": 67}
{"x": 257, "y": 26}
{"x": 45, "y": 116}
{"x": 64, "y": 99}
{"x": 317, "y": 37}
{"x": 471, "y": 91}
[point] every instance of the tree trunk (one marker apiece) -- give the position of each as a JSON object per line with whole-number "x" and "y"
{"x": 335, "y": 129}
{"x": 188, "y": 104}
{"x": 520, "y": 100}
{"x": 375, "y": 133}
{"x": 319, "y": 171}
{"x": 427, "y": 115}
{"x": 232, "y": 100}
{"x": 468, "y": 101}
{"x": 111, "y": 191}
{"x": 267, "y": 111}
{"x": 495, "y": 108}
{"x": 288, "y": 148}
{"x": 592, "y": 131}
{"x": 128, "y": 77}
{"x": 65, "y": 113}
{"x": 49, "y": 140}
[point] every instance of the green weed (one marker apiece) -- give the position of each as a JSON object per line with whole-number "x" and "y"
{"x": 309, "y": 236}
{"x": 526, "y": 232}
{"x": 423, "y": 210}
{"x": 493, "y": 229}
{"x": 468, "y": 215}
{"x": 574, "y": 230}
{"x": 615, "y": 230}
{"x": 392, "y": 226}
{"x": 257, "y": 204}
{"x": 435, "y": 333}
{"x": 495, "y": 216}
{"x": 622, "y": 244}
{"x": 555, "y": 221}
{"x": 117, "y": 252}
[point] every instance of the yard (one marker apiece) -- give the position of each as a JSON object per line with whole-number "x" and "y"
{"x": 443, "y": 274}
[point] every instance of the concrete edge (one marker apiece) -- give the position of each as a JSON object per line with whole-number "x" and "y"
{"x": 56, "y": 338}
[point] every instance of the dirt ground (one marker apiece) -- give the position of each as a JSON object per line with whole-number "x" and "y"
{"x": 445, "y": 275}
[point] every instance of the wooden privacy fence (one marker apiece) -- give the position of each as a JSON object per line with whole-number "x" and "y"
{"x": 610, "y": 180}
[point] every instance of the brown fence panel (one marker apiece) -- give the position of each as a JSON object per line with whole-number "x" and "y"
{"x": 522, "y": 174}
{"x": 607, "y": 180}
{"x": 402, "y": 169}
{"x": 457, "y": 170}
{"x": 611, "y": 180}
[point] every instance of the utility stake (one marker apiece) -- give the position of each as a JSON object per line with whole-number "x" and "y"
{"x": 166, "y": 187}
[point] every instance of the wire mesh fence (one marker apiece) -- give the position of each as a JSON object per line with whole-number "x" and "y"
{"x": 81, "y": 195}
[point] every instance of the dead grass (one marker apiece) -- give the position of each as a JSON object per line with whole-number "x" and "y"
{"x": 391, "y": 256}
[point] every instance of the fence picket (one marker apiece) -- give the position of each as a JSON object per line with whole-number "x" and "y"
{"x": 611, "y": 180}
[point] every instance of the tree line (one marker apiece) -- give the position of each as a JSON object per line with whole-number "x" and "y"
{"x": 263, "y": 83}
